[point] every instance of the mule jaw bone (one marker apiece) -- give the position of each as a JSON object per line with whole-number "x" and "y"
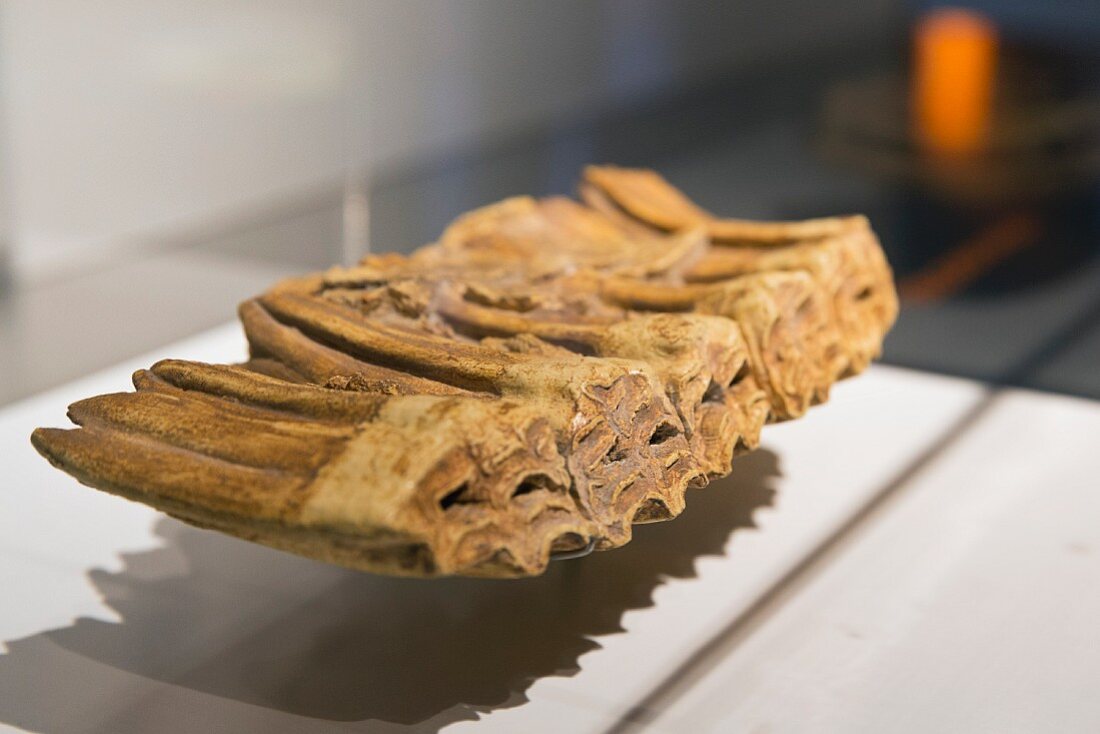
{"x": 544, "y": 377}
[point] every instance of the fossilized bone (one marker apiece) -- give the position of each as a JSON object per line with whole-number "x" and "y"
{"x": 544, "y": 376}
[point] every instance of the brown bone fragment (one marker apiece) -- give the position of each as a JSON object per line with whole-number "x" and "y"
{"x": 546, "y": 375}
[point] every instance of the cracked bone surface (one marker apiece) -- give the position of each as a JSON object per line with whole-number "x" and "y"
{"x": 546, "y": 375}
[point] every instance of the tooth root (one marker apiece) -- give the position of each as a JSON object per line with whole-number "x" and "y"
{"x": 422, "y": 355}
{"x": 274, "y": 368}
{"x": 486, "y": 321}
{"x": 167, "y": 477}
{"x": 646, "y": 196}
{"x": 642, "y": 195}
{"x": 236, "y": 383}
{"x": 323, "y": 364}
{"x": 599, "y": 201}
{"x": 245, "y": 436}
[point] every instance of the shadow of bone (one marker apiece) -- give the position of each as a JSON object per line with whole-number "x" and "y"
{"x": 214, "y": 615}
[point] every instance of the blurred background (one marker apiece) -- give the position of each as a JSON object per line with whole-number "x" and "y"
{"x": 161, "y": 161}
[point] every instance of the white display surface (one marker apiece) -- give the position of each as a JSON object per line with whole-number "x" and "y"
{"x": 117, "y": 619}
{"x": 973, "y": 605}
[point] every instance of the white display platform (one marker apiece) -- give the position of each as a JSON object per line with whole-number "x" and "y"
{"x": 972, "y": 605}
{"x": 117, "y": 619}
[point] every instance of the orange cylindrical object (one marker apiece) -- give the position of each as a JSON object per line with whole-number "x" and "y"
{"x": 955, "y": 60}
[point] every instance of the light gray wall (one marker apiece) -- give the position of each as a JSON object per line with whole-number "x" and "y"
{"x": 126, "y": 118}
